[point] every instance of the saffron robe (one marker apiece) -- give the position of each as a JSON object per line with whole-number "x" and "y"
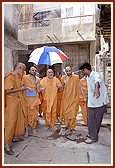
{"x": 41, "y": 105}
{"x": 41, "y": 99}
{"x": 59, "y": 98}
{"x": 70, "y": 98}
{"x": 15, "y": 109}
{"x": 21, "y": 76}
{"x": 81, "y": 100}
{"x": 31, "y": 103}
{"x": 50, "y": 99}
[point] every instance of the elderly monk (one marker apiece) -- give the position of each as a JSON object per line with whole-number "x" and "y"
{"x": 31, "y": 99}
{"x": 81, "y": 100}
{"x": 70, "y": 99}
{"x": 52, "y": 85}
{"x": 15, "y": 109}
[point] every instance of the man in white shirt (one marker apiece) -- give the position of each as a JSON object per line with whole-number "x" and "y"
{"x": 97, "y": 100}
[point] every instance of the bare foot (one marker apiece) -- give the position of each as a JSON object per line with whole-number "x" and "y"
{"x": 34, "y": 131}
{"x": 7, "y": 147}
{"x": 8, "y": 150}
{"x": 26, "y": 133}
{"x": 52, "y": 129}
{"x": 15, "y": 138}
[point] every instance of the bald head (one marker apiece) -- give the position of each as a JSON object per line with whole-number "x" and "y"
{"x": 68, "y": 67}
{"x": 19, "y": 68}
{"x": 50, "y": 73}
{"x": 68, "y": 70}
{"x": 33, "y": 71}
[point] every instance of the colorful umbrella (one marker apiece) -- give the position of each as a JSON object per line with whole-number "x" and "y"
{"x": 47, "y": 55}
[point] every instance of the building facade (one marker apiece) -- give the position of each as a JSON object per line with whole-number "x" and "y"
{"x": 70, "y": 27}
{"x": 11, "y": 43}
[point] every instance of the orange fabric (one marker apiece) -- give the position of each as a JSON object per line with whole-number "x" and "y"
{"x": 41, "y": 99}
{"x": 70, "y": 98}
{"x": 41, "y": 105}
{"x": 24, "y": 73}
{"x": 50, "y": 99}
{"x": 59, "y": 98}
{"x": 70, "y": 122}
{"x": 31, "y": 103}
{"x": 84, "y": 86}
{"x": 81, "y": 100}
{"x": 15, "y": 109}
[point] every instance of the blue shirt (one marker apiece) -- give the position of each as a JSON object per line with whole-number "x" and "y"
{"x": 103, "y": 99}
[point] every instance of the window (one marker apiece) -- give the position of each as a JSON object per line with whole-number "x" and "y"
{"x": 69, "y": 12}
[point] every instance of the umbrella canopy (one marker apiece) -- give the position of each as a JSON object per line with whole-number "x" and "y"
{"x": 47, "y": 55}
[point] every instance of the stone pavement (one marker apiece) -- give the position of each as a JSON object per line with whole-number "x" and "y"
{"x": 62, "y": 148}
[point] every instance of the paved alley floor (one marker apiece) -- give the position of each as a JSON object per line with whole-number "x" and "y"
{"x": 62, "y": 148}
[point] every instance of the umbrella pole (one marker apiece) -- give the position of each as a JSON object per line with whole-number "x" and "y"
{"x": 47, "y": 61}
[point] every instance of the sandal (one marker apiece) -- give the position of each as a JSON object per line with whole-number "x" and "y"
{"x": 9, "y": 152}
{"x": 26, "y": 135}
{"x": 18, "y": 140}
{"x": 52, "y": 129}
{"x": 73, "y": 131}
{"x": 65, "y": 128}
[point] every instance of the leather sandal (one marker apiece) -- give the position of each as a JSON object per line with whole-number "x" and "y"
{"x": 52, "y": 129}
{"x": 73, "y": 131}
{"x": 10, "y": 152}
{"x": 65, "y": 128}
{"x": 19, "y": 140}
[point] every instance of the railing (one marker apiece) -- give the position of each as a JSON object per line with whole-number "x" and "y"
{"x": 30, "y": 24}
{"x": 77, "y": 20}
{"x": 65, "y": 21}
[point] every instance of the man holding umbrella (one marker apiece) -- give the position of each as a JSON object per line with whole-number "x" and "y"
{"x": 49, "y": 55}
{"x": 52, "y": 85}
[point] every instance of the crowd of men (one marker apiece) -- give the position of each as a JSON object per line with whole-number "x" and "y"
{"x": 58, "y": 98}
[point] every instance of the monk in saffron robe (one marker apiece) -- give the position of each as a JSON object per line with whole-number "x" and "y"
{"x": 15, "y": 109}
{"x": 70, "y": 99}
{"x": 52, "y": 84}
{"x": 81, "y": 100}
{"x": 31, "y": 101}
